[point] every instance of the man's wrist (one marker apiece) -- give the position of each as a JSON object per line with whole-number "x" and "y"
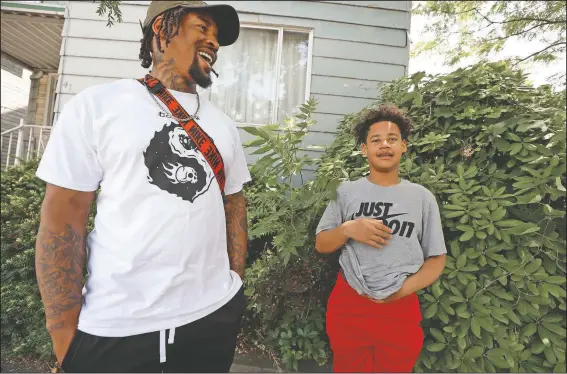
{"x": 62, "y": 332}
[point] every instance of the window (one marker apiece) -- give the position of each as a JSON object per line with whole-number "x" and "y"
{"x": 263, "y": 76}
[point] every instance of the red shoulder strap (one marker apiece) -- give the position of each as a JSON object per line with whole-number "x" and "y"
{"x": 203, "y": 141}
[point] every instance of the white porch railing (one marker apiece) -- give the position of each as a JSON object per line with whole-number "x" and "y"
{"x": 23, "y": 142}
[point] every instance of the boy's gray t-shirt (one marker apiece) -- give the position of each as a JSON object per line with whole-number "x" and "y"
{"x": 410, "y": 210}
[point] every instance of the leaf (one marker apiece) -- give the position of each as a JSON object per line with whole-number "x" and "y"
{"x": 457, "y": 299}
{"x": 498, "y": 214}
{"x": 461, "y": 261}
{"x": 253, "y": 130}
{"x": 550, "y": 355}
{"x": 497, "y": 359}
{"x": 255, "y": 142}
{"x": 466, "y": 236}
{"x": 509, "y": 223}
{"x": 436, "y": 289}
{"x": 430, "y": 311}
{"x": 418, "y": 100}
{"x": 481, "y": 235}
{"x": 513, "y": 317}
{"x": 453, "y": 207}
{"x": 435, "y": 347}
{"x": 555, "y": 279}
{"x": 438, "y": 335}
{"x": 523, "y": 229}
{"x": 553, "y": 318}
{"x": 515, "y": 148}
{"x": 487, "y": 324}
{"x": 499, "y": 317}
{"x": 474, "y": 352}
{"x": 559, "y": 185}
{"x": 475, "y": 327}
{"x": 471, "y": 290}
{"x": 454, "y": 214}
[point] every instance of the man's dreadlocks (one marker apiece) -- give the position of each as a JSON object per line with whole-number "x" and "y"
{"x": 170, "y": 27}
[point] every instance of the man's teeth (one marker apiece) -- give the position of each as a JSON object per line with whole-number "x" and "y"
{"x": 206, "y": 57}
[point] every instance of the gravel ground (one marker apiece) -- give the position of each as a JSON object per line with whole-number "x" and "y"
{"x": 21, "y": 365}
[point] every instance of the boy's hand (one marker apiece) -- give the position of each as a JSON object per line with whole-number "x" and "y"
{"x": 368, "y": 231}
{"x": 407, "y": 289}
{"x": 395, "y": 296}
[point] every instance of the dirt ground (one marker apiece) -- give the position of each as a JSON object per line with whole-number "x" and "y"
{"x": 24, "y": 366}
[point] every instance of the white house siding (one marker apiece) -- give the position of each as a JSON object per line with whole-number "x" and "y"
{"x": 357, "y": 45}
{"x": 15, "y": 81}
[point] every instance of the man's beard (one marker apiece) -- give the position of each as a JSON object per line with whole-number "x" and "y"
{"x": 198, "y": 75}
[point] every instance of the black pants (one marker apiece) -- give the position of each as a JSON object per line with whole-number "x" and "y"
{"x": 206, "y": 345}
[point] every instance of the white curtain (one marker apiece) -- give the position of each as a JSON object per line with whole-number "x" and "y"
{"x": 293, "y": 73}
{"x": 246, "y": 87}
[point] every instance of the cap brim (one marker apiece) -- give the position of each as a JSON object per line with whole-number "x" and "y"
{"x": 227, "y": 20}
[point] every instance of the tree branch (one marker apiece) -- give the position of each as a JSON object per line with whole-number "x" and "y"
{"x": 554, "y": 22}
{"x": 519, "y": 19}
{"x": 538, "y": 52}
{"x": 520, "y": 32}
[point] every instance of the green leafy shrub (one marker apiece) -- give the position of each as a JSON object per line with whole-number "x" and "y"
{"x": 23, "y": 321}
{"x": 283, "y": 284}
{"x": 22, "y": 314}
{"x": 492, "y": 149}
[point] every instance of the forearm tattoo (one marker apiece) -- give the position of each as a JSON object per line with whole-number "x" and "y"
{"x": 236, "y": 231}
{"x": 60, "y": 257}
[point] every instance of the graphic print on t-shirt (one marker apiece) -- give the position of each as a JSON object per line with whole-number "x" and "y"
{"x": 381, "y": 211}
{"x": 175, "y": 164}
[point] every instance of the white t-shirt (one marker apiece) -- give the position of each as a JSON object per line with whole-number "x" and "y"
{"x": 157, "y": 257}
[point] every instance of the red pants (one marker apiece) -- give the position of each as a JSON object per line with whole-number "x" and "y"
{"x": 370, "y": 337}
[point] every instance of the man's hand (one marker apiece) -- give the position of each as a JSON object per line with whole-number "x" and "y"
{"x": 62, "y": 339}
{"x": 368, "y": 231}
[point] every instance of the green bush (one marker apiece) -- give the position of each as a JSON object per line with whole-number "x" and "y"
{"x": 22, "y": 315}
{"x": 283, "y": 279}
{"x": 23, "y": 321}
{"x": 492, "y": 149}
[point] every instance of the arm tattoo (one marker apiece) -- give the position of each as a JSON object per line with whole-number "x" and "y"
{"x": 59, "y": 261}
{"x": 236, "y": 231}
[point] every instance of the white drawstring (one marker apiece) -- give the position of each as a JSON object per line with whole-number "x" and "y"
{"x": 162, "y": 356}
{"x": 162, "y": 346}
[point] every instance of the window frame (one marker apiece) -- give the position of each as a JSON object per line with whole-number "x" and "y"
{"x": 281, "y": 29}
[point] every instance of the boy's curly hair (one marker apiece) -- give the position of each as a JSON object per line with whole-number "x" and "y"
{"x": 385, "y": 112}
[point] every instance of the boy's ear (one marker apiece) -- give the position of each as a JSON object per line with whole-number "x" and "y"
{"x": 364, "y": 150}
{"x": 404, "y": 146}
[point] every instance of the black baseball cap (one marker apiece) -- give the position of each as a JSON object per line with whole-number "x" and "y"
{"x": 225, "y": 16}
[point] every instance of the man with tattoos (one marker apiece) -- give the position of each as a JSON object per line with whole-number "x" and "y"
{"x": 166, "y": 258}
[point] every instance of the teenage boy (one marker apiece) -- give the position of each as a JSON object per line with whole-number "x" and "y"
{"x": 390, "y": 234}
